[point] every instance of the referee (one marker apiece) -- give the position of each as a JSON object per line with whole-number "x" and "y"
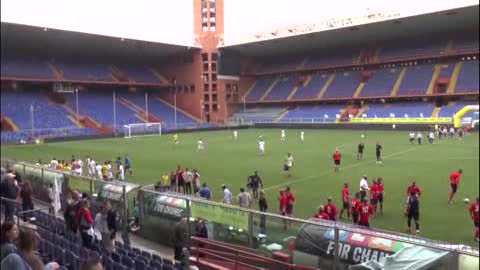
{"x": 363, "y": 187}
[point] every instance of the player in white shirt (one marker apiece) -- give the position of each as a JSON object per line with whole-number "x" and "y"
{"x": 363, "y": 188}
{"x": 452, "y": 132}
{"x": 200, "y": 146}
{"x": 431, "y": 136}
{"x": 412, "y": 137}
{"x": 235, "y": 134}
{"x": 120, "y": 173}
{"x": 79, "y": 169}
{"x": 283, "y": 137}
{"x": 91, "y": 168}
{"x": 288, "y": 164}
{"x": 419, "y": 137}
{"x": 261, "y": 146}
{"x": 109, "y": 169}
{"x": 98, "y": 168}
{"x": 227, "y": 195}
{"x": 53, "y": 164}
{"x": 302, "y": 136}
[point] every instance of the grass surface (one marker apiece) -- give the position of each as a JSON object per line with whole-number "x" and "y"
{"x": 227, "y": 161}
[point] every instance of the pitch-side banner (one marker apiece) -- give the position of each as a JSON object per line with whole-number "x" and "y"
{"x": 407, "y": 120}
{"x": 231, "y": 216}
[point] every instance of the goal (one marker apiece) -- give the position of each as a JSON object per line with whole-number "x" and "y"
{"x": 142, "y": 129}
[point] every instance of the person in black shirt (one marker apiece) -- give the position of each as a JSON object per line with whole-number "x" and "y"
{"x": 262, "y": 206}
{"x": 378, "y": 152}
{"x": 412, "y": 211}
{"x": 254, "y": 182}
{"x": 361, "y": 146}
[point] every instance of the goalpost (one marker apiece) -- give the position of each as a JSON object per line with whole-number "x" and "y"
{"x": 142, "y": 129}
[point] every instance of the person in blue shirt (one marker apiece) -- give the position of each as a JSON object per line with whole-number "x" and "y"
{"x": 127, "y": 165}
{"x": 204, "y": 192}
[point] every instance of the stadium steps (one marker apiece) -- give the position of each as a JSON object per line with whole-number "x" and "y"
{"x": 8, "y": 122}
{"x": 118, "y": 75}
{"x": 74, "y": 120}
{"x": 295, "y": 89}
{"x": 436, "y": 72}
{"x": 269, "y": 89}
{"x": 249, "y": 90}
{"x": 361, "y": 110}
{"x": 55, "y": 70}
{"x": 398, "y": 82}
{"x": 179, "y": 109}
{"x": 449, "y": 47}
{"x": 436, "y": 111}
{"x": 359, "y": 90}
{"x": 326, "y": 85}
{"x": 139, "y": 111}
{"x": 282, "y": 114}
{"x": 359, "y": 58}
{"x": 158, "y": 75}
{"x": 72, "y": 115}
{"x": 454, "y": 78}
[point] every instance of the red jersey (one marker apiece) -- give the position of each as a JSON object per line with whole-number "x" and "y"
{"x": 289, "y": 198}
{"x": 282, "y": 202}
{"x": 180, "y": 174}
{"x": 345, "y": 194}
{"x": 337, "y": 155}
{"x": 373, "y": 191}
{"x": 331, "y": 210}
{"x": 473, "y": 209}
{"x": 380, "y": 187}
{"x": 455, "y": 177}
{"x": 355, "y": 205}
{"x": 322, "y": 216}
{"x": 413, "y": 188}
{"x": 365, "y": 211}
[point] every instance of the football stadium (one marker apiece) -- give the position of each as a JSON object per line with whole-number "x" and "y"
{"x": 240, "y": 135}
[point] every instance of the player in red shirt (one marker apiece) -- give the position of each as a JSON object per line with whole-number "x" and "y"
{"x": 473, "y": 209}
{"x": 454, "y": 179}
{"x": 321, "y": 214}
{"x": 355, "y": 204}
{"x": 290, "y": 199}
{"x": 330, "y": 209}
{"x": 180, "y": 180}
{"x": 414, "y": 188}
{"x": 365, "y": 210}
{"x": 380, "y": 189}
{"x": 336, "y": 159}
{"x": 345, "y": 200}
{"x": 282, "y": 203}
{"x": 374, "y": 194}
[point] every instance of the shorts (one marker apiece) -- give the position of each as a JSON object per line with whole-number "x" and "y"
{"x": 181, "y": 182}
{"x": 346, "y": 205}
{"x": 286, "y": 167}
{"x": 355, "y": 218}
{"x": 365, "y": 224}
{"x": 289, "y": 209}
{"x": 363, "y": 194}
{"x": 127, "y": 167}
{"x": 454, "y": 187}
{"x": 414, "y": 215}
{"x": 476, "y": 223}
{"x": 282, "y": 212}
{"x": 412, "y": 139}
{"x": 380, "y": 197}
{"x": 374, "y": 200}
{"x": 337, "y": 162}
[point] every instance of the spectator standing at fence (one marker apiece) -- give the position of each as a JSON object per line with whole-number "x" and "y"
{"x": 85, "y": 222}
{"x": 27, "y": 200}
{"x": 69, "y": 214}
{"x": 196, "y": 181}
{"x": 180, "y": 238}
{"x": 8, "y": 234}
{"x": 188, "y": 178}
{"x": 263, "y": 207}
{"x": 330, "y": 209}
{"x": 111, "y": 224}
{"x": 51, "y": 199}
{"x": 205, "y": 192}
{"x": 173, "y": 181}
{"x": 9, "y": 191}
{"x": 180, "y": 179}
{"x": 27, "y": 243}
{"x": 244, "y": 198}
{"x": 227, "y": 195}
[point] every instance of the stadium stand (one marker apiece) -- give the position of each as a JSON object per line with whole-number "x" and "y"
{"x": 320, "y": 113}
{"x": 311, "y": 89}
{"x": 344, "y": 85}
{"x": 328, "y": 61}
{"x": 138, "y": 73}
{"x": 416, "y": 49}
{"x": 84, "y": 71}
{"x": 416, "y": 80}
{"x": 380, "y": 83}
{"x": 25, "y": 67}
{"x": 260, "y": 114}
{"x": 259, "y": 88}
{"x": 468, "y": 78}
{"x": 403, "y": 109}
{"x": 282, "y": 88}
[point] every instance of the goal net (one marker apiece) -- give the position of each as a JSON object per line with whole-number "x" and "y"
{"x": 142, "y": 129}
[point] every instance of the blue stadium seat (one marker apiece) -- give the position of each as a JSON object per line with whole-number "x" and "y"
{"x": 140, "y": 265}
{"x": 146, "y": 254}
{"x": 128, "y": 262}
{"x": 156, "y": 264}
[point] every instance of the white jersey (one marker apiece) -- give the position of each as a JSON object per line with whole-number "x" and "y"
{"x": 99, "y": 170}
{"x": 121, "y": 173}
{"x": 412, "y": 135}
{"x": 227, "y": 196}
{"x": 261, "y": 146}
{"x": 302, "y": 135}
{"x": 419, "y": 135}
{"x": 431, "y": 135}
{"x": 53, "y": 164}
{"x": 289, "y": 161}
{"x": 200, "y": 145}
{"x": 109, "y": 169}
{"x": 91, "y": 168}
{"x": 79, "y": 169}
{"x": 452, "y": 130}
{"x": 235, "y": 134}
{"x": 283, "y": 134}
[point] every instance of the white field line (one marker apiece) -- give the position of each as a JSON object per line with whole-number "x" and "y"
{"x": 331, "y": 172}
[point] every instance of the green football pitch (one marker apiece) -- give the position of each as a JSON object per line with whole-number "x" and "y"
{"x": 226, "y": 161}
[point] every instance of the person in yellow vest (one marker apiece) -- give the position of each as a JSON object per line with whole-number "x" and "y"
{"x": 67, "y": 167}
{"x": 60, "y": 165}
{"x": 175, "y": 138}
{"x": 166, "y": 181}
{"x": 104, "y": 171}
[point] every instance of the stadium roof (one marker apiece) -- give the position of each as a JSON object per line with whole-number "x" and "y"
{"x": 454, "y": 20}
{"x": 54, "y": 42}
